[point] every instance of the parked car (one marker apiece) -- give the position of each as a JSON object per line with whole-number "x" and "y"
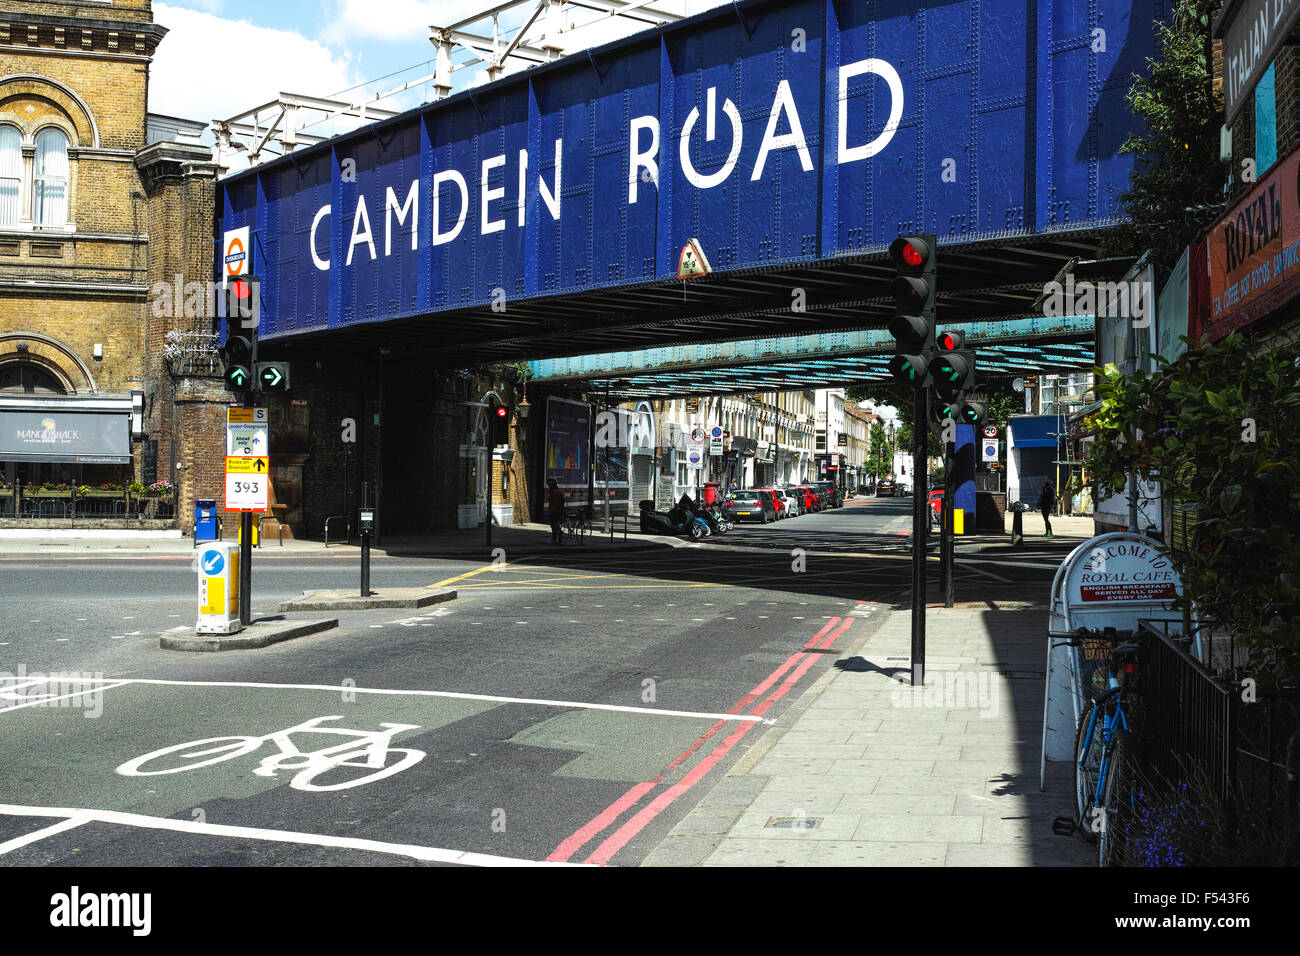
{"x": 807, "y": 499}
{"x": 795, "y": 495}
{"x": 788, "y": 502}
{"x": 885, "y": 488}
{"x": 935, "y": 499}
{"x": 754, "y": 506}
{"x": 830, "y": 494}
{"x": 778, "y": 501}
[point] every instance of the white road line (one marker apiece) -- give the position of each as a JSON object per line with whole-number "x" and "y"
{"x": 46, "y": 701}
{"x": 112, "y": 683}
{"x": 430, "y": 854}
{"x": 72, "y": 822}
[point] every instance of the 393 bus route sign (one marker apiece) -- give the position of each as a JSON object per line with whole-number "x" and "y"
{"x": 247, "y": 484}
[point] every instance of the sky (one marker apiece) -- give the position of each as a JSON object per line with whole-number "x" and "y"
{"x": 222, "y": 57}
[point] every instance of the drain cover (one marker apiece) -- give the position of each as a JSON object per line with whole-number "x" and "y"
{"x": 794, "y": 823}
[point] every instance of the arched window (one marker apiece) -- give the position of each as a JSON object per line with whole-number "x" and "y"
{"x": 50, "y": 202}
{"x": 11, "y": 175}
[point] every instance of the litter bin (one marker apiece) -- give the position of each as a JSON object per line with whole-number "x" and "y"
{"x": 207, "y": 526}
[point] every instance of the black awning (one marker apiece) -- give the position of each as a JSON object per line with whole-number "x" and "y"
{"x": 55, "y": 434}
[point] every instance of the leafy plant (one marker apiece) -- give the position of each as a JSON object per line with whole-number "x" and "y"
{"x": 1216, "y": 428}
{"x": 1175, "y": 188}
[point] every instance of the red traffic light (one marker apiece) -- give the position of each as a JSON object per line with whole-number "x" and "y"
{"x": 241, "y": 288}
{"x": 951, "y": 341}
{"x": 910, "y": 251}
{"x": 501, "y": 411}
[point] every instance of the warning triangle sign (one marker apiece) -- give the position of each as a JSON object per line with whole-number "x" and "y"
{"x": 692, "y": 263}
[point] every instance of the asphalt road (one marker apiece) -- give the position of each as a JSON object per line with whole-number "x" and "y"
{"x": 566, "y": 708}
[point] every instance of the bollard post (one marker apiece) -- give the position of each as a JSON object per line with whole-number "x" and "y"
{"x": 1017, "y": 529}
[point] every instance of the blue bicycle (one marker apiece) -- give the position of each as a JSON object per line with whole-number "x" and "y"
{"x": 1103, "y": 769}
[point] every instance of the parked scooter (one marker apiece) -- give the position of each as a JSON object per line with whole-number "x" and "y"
{"x": 675, "y": 521}
{"x": 700, "y": 513}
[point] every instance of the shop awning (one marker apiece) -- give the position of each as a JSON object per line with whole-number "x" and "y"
{"x": 1035, "y": 431}
{"x": 96, "y": 432}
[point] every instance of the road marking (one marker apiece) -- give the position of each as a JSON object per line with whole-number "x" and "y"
{"x": 468, "y": 574}
{"x": 76, "y": 820}
{"x": 454, "y": 695}
{"x": 428, "y": 854}
{"x": 824, "y": 638}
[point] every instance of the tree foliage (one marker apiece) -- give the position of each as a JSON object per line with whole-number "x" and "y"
{"x": 1175, "y": 189}
{"x": 1217, "y": 428}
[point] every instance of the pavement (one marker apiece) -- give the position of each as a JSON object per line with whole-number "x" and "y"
{"x": 866, "y": 770}
{"x": 514, "y": 540}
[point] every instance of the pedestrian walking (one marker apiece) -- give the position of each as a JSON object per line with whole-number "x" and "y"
{"x": 555, "y": 503}
{"x": 1046, "y": 504}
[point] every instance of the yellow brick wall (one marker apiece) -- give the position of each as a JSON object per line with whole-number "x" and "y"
{"x": 79, "y": 323}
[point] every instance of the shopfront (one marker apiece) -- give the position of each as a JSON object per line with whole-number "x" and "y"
{"x": 54, "y": 449}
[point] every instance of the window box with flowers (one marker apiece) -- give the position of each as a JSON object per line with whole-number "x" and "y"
{"x": 48, "y": 489}
{"x": 6, "y": 489}
{"x": 105, "y": 490}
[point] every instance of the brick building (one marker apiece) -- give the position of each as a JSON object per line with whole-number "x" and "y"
{"x": 102, "y": 207}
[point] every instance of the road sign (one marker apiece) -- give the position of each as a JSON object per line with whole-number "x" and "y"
{"x": 694, "y": 459}
{"x": 697, "y": 435}
{"x": 715, "y": 431}
{"x": 247, "y": 491}
{"x": 246, "y": 415}
{"x": 692, "y": 263}
{"x": 246, "y": 438}
{"x": 990, "y": 431}
{"x": 990, "y": 450}
{"x": 692, "y": 404}
{"x": 715, "y": 443}
{"x": 240, "y": 465}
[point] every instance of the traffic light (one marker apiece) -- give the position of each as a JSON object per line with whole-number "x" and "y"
{"x": 914, "y": 292}
{"x": 239, "y": 350}
{"x": 953, "y": 373}
{"x": 273, "y": 376}
{"x": 973, "y": 413}
{"x": 499, "y": 421}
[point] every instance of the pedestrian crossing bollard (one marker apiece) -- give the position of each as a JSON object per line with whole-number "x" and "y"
{"x": 218, "y": 569}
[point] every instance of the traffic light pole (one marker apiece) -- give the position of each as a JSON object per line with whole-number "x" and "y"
{"x": 245, "y": 568}
{"x": 920, "y": 525}
{"x": 946, "y": 530}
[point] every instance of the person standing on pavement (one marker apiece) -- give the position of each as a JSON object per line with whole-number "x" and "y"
{"x": 1046, "y": 504}
{"x": 555, "y": 504}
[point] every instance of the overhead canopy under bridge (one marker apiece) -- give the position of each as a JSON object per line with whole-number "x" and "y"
{"x": 1006, "y": 348}
{"x": 543, "y": 214}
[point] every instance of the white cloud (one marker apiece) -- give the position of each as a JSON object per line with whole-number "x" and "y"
{"x": 392, "y": 20}
{"x": 209, "y": 68}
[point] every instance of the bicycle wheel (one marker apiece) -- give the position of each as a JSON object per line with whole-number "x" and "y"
{"x": 1117, "y": 804}
{"x": 303, "y": 779}
{"x": 1089, "y": 748}
{"x": 583, "y": 529}
{"x": 228, "y": 749}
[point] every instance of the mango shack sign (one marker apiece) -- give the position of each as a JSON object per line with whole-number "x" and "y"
{"x": 1254, "y": 251}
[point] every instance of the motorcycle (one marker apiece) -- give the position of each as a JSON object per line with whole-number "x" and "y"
{"x": 675, "y": 522}
{"x": 701, "y": 513}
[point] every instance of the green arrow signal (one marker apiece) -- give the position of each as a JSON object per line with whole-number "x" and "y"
{"x": 237, "y": 376}
{"x": 272, "y": 376}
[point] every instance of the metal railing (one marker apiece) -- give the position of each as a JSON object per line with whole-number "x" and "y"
{"x": 1189, "y": 719}
{"x": 38, "y": 505}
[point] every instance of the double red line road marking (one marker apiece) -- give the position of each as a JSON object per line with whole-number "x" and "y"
{"x": 797, "y": 665}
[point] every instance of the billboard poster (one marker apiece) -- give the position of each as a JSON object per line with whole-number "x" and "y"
{"x": 568, "y": 438}
{"x": 1171, "y": 312}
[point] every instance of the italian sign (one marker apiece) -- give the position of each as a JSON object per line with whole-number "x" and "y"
{"x": 1250, "y": 42}
{"x": 1254, "y": 251}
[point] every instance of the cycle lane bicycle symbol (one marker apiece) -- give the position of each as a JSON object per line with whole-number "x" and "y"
{"x": 367, "y": 749}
